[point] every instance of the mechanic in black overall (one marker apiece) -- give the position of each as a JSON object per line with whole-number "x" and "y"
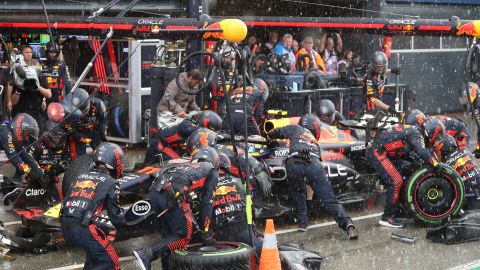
{"x": 56, "y": 73}
{"x": 229, "y": 219}
{"x": 13, "y": 140}
{"x": 394, "y": 144}
{"x": 177, "y": 194}
{"x": 53, "y": 156}
{"x": 374, "y": 84}
{"x": 463, "y": 162}
{"x": 91, "y": 193}
{"x": 166, "y": 143}
{"x": 255, "y": 101}
{"x": 88, "y": 123}
{"x": 304, "y": 167}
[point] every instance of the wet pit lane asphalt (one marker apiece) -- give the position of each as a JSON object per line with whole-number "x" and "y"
{"x": 374, "y": 250}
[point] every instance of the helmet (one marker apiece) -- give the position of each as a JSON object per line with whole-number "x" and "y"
{"x": 262, "y": 86}
{"x": 472, "y": 92}
{"x": 225, "y": 162}
{"x": 25, "y": 128}
{"x": 56, "y": 134}
{"x": 379, "y": 61}
{"x": 326, "y": 111}
{"x": 433, "y": 129}
{"x": 76, "y": 103}
{"x": 312, "y": 123}
{"x": 52, "y": 47}
{"x": 201, "y": 137}
{"x": 110, "y": 155}
{"x": 205, "y": 153}
{"x": 445, "y": 146}
{"x": 209, "y": 119}
{"x": 415, "y": 118}
{"x": 55, "y": 112}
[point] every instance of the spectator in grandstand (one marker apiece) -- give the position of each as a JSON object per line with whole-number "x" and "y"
{"x": 331, "y": 46}
{"x": 285, "y": 47}
{"x": 306, "y": 54}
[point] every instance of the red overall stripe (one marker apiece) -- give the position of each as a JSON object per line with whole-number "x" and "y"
{"x": 103, "y": 241}
{"x": 181, "y": 243}
{"x": 392, "y": 172}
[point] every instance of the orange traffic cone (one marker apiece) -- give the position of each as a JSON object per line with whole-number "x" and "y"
{"x": 270, "y": 258}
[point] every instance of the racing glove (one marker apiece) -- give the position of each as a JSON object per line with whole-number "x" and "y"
{"x": 476, "y": 152}
{"x": 440, "y": 169}
{"x": 395, "y": 71}
{"x": 207, "y": 239}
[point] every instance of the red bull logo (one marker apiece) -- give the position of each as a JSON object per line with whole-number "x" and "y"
{"x": 461, "y": 162}
{"x": 408, "y": 27}
{"x": 469, "y": 29}
{"x": 224, "y": 190}
{"x": 86, "y": 184}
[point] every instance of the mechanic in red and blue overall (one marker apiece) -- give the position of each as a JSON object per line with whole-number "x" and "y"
{"x": 393, "y": 144}
{"x": 229, "y": 220}
{"x": 177, "y": 193}
{"x": 256, "y": 99}
{"x": 304, "y": 167}
{"x": 166, "y": 143}
{"x": 57, "y": 74}
{"x": 88, "y": 123}
{"x": 53, "y": 156}
{"x": 454, "y": 127}
{"x": 13, "y": 140}
{"x": 464, "y": 163}
{"x": 91, "y": 193}
{"x": 374, "y": 84}
{"x": 471, "y": 100}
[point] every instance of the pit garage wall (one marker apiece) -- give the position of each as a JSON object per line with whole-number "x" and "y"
{"x": 435, "y": 76}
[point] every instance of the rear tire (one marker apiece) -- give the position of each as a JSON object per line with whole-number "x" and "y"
{"x": 432, "y": 200}
{"x": 81, "y": 165}
{"x": 221, "y": 256}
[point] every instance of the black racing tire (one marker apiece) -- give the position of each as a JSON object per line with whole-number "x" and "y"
{"x": 432, "y": 199}
{"x": 222, "y": 255}
{"x": 80, "y": 165}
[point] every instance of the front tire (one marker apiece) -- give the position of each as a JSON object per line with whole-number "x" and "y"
{"x": 432, "y": 199}
{"x": 221, "y": 256}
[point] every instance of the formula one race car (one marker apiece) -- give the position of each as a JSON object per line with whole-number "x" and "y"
{"x": 431, "y": 199}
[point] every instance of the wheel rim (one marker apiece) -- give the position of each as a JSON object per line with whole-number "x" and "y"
{"x": 218, "y": 247}
{"x": 435, "y": 197}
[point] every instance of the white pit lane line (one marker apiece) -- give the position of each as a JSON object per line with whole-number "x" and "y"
{"x": 468, "y": 266}
{"x": 80, "y": 266}
{"x": 129, "y": 258}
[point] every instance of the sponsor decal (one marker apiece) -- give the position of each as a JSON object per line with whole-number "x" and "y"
{"x": 147, "y": 21}
{"x": 357, "y": 148}
{"x": 281, "y": 153}
{"x": 402, "y": 21}
{"x": 86, "y": 184}
{"x": 224, "y": 190}
{"x": 35, "y": 192}
{"x": 91, "y": 176}
{"x": 227, "y": 199}
{"x": 333, "y": 155}
{"x": 461, "y": 161}
{"x": 83, "y": 194}
{"x": 334, "y": 170}
{"x": 141, "y": 208}
{"x": 77, "y": 203}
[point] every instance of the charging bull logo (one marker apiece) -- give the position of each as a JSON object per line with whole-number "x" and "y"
{"x": 224, "y": 190}
{"x": 86, "y": 184}
{"x": 469, "y": 29}
{"x": 461, "y": 162}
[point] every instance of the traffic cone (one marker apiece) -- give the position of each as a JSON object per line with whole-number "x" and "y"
{"x": 270, "y": 258}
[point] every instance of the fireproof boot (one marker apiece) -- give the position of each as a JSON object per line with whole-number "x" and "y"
{"x": 352, "y": 232}
{"x": 144, "y": 260}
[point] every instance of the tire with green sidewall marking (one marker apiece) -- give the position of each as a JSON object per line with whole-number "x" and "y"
{"x": 432, "y": 200}
{"x": 222, "y": 255}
